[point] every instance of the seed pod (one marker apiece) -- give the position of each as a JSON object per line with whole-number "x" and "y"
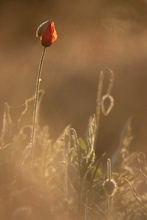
{"x": 47, "y": 33}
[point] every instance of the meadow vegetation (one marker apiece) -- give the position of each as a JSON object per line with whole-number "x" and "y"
{"x": 42, "y": 179}
{"x": 67, "y": 180}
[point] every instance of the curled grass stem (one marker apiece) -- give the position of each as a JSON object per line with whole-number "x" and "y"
{"x": 100, "y": 101}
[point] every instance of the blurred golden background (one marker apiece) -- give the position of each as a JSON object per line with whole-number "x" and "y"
{"x": 92, "y": 35}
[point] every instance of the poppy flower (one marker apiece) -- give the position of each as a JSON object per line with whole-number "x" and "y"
{"x": 47, "y": 33}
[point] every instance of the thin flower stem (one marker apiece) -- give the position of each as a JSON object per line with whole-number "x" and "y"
{"x": 35, "y": 111}
{"x": 108, "y": 207}
{"x": 98, "y": 105}
{"x": 108, "y": 169}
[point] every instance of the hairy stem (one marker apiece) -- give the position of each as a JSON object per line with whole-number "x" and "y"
{"x": 35, "y": 111}
{"x": 108, "y": 169}
{"x": 98, "y": 105}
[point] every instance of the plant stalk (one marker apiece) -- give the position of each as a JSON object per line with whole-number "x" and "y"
{"x": 35, "y": 111}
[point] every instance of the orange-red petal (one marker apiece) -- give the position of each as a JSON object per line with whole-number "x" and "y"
{"x": 47, "y": 33}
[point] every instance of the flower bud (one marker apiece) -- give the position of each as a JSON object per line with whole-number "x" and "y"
{"x": 110, "y": 187}
{"x": 47, "y": 33}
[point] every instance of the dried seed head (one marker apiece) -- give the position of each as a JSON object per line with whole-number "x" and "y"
{"x": 110, "y": 187}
